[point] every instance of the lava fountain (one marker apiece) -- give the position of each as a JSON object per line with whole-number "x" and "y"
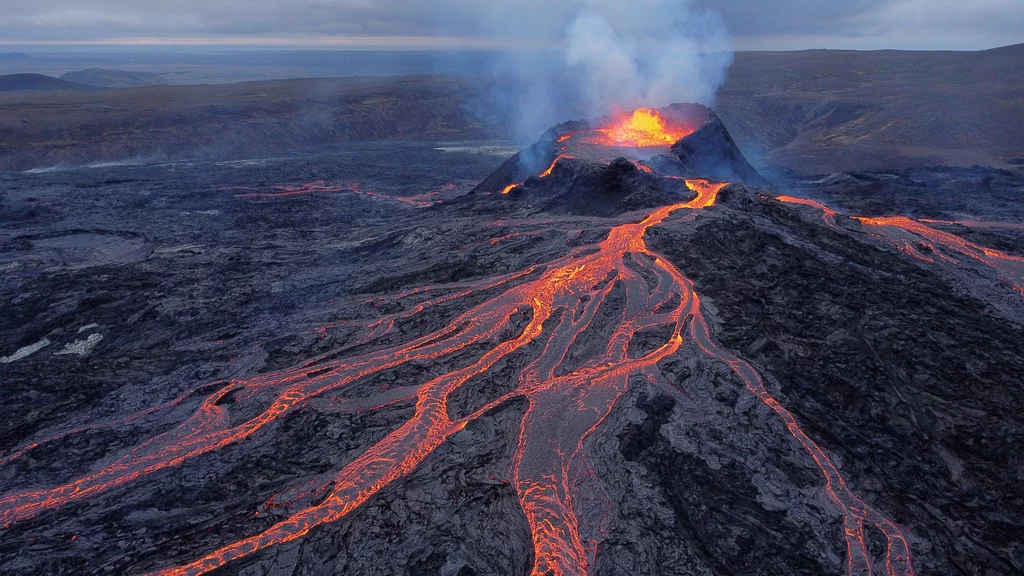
{"x": 643, "y": 128}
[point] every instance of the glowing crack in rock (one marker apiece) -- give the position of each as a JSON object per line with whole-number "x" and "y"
{"x": 975, "y": 224}
{"x": 557, "y": 302}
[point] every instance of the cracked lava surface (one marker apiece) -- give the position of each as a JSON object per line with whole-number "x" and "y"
{"x": 923, "y": 242}
{"x": 549, "y": 306}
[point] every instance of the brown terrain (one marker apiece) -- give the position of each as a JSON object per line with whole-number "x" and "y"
{"x": 827, "y": 111}
{"x": 598, "y": 356}
{"x": 40, "y": 129}
{"x": 810, "y": 112}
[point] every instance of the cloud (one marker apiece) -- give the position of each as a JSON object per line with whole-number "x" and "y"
{"x": 861, "y": 23}
{"x": 98, "y": 19}
{"x": 995, "y": 18}
{"x": 873, "y": 24}
{"x": 596, "y": 56}
{"x": 656, "y": 53}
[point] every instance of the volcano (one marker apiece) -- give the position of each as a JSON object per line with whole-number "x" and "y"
{"x": 614, "y": 355}
{"x": 623, "y": 162}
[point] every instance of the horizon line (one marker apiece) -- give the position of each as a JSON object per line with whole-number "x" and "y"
{"x": 474, "y": 43}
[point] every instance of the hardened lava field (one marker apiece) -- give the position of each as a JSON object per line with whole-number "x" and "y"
{"x": 370, "y": 360}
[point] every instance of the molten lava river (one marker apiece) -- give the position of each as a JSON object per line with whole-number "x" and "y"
{"x": 554, "y": 304}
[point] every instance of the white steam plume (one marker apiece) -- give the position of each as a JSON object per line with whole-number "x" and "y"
{"x": 647, "y": 53}
{"x": 601, "y": 56}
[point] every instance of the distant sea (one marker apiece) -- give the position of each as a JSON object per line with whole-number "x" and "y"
{"x": 199, "y": 66}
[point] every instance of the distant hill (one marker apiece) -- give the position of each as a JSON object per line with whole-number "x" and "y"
{"x": 39, "y": 82}
{"x": 225, "y": 120}
{"x": 822, "y": 111}
{"x": 9, "y": 56}
{"x": 113, "y": 78}
{"x": 1013, "y": 49}
{"x": 806, "y": 113}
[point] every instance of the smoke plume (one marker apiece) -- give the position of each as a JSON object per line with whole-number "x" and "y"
{"x": 647, "y": 53}
{"x": 592, "y": 57}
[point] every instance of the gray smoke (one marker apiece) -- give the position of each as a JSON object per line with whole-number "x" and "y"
{"x": 592, "y": 57}
{"x": 647, "y": 53}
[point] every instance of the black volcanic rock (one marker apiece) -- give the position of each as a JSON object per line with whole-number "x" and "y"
{"x": 528, "y": 162}
{"x": 710, "y": 152}
{"x": 589, "y": 188}
{"x": 905, "y": 372}
{"x": 582, "y": 170}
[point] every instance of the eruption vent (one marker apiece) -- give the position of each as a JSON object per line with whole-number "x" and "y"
{"x": 642, "y": 129}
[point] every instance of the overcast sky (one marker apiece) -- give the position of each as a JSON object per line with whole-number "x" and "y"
{"x": 752, "y": 24}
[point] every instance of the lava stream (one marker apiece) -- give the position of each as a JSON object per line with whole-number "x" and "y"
{"x": 907, "y": 234}
{"x": 914, "y": 237}
{"x": 975, "y": 224}
{"x": 544, "y": 174}
{"x": 827, "y": 214}
{"x": 564, "y": 404}
{"x": 550, "y": 168}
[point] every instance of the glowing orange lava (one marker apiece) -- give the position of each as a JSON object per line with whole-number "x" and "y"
{"x": 828, "y": 214}
{"x": 565, "y": 404}
{"x": 707, "y": 192}
{"x": 910, "y": 236}
{"x": 642, "y": 167}
{"x": 915, "y": 238}
{"x": 641, "y": 129}
{"x": 547, "y": 172}
{"x": 976, "y": 224}
{"x": 544, "y": 174}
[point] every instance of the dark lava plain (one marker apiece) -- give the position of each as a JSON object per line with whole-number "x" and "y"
{"x": 147, "y": 281}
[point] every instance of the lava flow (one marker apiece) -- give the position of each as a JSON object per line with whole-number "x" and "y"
{"x": 828, "y": 214}
{"x": 642, "y": 129}
{"x": 975, "y": 224}
{"x": 915, "y": 238}
{"x": 552, "y": 305}
{"x": 544, "y": 174}
{"x": 551, "y": 168}
{"x": 911, "y": 236}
